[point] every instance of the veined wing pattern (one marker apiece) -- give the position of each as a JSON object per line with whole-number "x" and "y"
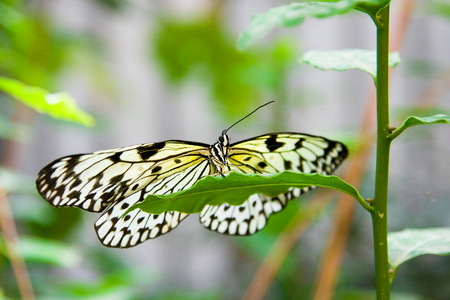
{"x": 111, "y": 181}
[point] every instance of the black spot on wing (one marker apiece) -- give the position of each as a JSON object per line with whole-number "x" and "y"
{"x": 74, "y": 194}
{"x": 97, "y": 180}
{"x": 288, "y": 165}
{"x": 115, "y": 157}
{"x": 262, "y": 165}
{"x": 156, "y": 169}
{"x": 145, "y": 152}
{"x": 272, "y": 143}
{"x": 299, "y": 143}
{"x": 116, "y": 179}
{"x": 76, "y": 182}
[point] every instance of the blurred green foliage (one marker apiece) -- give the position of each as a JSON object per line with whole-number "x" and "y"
{"x": 439, "y": 7}
{"x": 32, "y": 55}
{"x": 29, "y": 50}
{"x": 203, "y": 49}
{"x": 113, "y": 5}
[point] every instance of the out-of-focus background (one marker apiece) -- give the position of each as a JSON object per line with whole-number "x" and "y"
{"x": 150, "y": 71}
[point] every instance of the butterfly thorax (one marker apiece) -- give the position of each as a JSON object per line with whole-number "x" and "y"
{"x": 219, "y": 153}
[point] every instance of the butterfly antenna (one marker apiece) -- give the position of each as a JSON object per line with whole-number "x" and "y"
{"x": 226, "y": 130}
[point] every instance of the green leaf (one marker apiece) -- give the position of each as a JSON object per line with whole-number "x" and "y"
{"x": 294, "y": 14}
{"x": 235, "y": 190}
{"x": 59, "y": 105}
{"x": 413, "y": 121}
{"x": 46, "y": 251}
{"x": 343, "y": 60}
{"x": 409, "y": 243}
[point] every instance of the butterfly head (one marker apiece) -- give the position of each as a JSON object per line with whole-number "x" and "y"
{"x": 221, "y": 148}
{"x": 224, "y": 139}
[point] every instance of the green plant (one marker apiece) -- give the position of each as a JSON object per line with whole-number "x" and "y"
{"x": 379, "y": 12}
{"x": 388, "y": 256}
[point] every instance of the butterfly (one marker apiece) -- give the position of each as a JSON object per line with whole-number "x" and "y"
{"x": 111, "y": 181}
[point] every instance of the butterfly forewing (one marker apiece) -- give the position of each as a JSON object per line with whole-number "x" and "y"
{"x": 268, "y": 154}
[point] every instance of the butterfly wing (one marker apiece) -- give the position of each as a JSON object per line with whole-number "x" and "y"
{"x": 269, "y": 154}
{"x": 111, "y": 181}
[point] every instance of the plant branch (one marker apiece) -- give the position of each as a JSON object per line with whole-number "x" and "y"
{"x": 10, "y": 236}
{"x": 379, "y": 216}
{"x": 334, "y": 251}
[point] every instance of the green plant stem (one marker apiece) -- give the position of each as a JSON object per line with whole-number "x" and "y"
{"x": 379, "y": 215}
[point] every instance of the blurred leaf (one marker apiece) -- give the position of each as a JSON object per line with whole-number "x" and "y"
{"x": 409, "y": 243}
{"x": 59, "y": 105}
{"x": 414, "y": 121}
{"x": 235, "y": 188}
{"x": 187, "y": 294}
{"x": 49, "y": 251}
{"x": 294, "y": 14}
{"x": 422, "y": 68}
{"x": 203, "y": 50}
{"x": 439, "y": 7}
{"x": 114, "y": 5}
{"x": 343, "y": 60}
{"x": 46, "y": 251}
{"x": 28, "y": 210}
{"x": 118, "y": 285}
{"x": 12, "y": 62}
{"x": 34, "y": 51}
{"x": 14, "y": 182}
{"x": 355, "y": 295}
{"x": 19, "y": 37}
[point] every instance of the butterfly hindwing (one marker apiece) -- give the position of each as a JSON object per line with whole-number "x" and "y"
{"x": 269, "y": 154}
